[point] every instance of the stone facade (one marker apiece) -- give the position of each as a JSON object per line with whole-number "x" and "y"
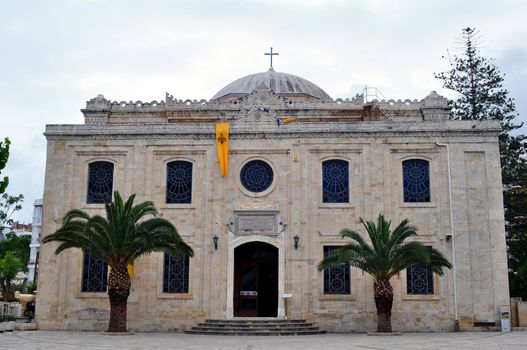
{"x": 463, "y": 219}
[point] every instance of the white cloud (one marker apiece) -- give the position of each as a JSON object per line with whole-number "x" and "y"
{"x": 57, "y": 55}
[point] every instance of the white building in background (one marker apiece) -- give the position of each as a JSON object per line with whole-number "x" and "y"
{"x": 20, "y": 229}
{"x": 35, "y": 242}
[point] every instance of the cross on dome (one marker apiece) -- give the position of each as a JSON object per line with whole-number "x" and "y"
{"x": 271, "y": 54}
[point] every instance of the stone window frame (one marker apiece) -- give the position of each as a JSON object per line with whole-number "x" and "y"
{"x": 79, "y": 167}
{"x": 354, "y": 283}
{"x": 187, "y": 258}
{"x": 429, "y": 273}
{"x": 85, "y": 179}
{"x": 353, "y": 189}
{"x": 78, "y": 256}
{"x": 193, "y": 168}
{"x": 82, "y": 274}
{"x": 159, "y": 196}
{"x": 431, "y": 157}
{"x": 90, "y": 164}
{"x": 425, "y": 164}
{"x": 349, "y": 180}
{"x": 420, "y": 297}
{"x": 160, "y": 260}
{"x": 238, "y": 169}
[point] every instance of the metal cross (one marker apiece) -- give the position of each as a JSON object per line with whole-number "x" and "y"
{"x": 271, "y": 54}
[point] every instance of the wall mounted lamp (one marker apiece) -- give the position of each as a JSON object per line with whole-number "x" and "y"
{"x": 215, "y": 239}
{"x": 295, "y": 240}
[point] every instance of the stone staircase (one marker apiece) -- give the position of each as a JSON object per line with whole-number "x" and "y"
{"x": 255, "y": 327}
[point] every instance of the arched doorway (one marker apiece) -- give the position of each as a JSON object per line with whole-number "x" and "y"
{"x": 255, "y": 280}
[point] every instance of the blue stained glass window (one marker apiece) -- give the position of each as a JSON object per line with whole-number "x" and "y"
{"x": 179, "y": 182}
{"x": 175, "y": 273}
{"x": 94, "y": 273}
{"x": 256, "y": 176}
{"x": 100, "y": 182}
{"x": 416, "y": 180}
{"x": 336, "y": 279}
{"x": 335, "y": 181}
{"x": 419, "y": 280}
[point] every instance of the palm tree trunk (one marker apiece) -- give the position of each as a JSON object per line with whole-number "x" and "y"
{"x": 383, "y": 294}
{"x": 118, "y": 292}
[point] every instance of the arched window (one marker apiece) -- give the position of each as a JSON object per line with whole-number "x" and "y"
{"x": 335, "y": 181}
{"x": 100, "y": 182}
{"x": 175, "y": 273}
{"x": 416, "y": 180}
{"x": 179, "y": 182}
{"x": 256, "y": 176}
{"x": 94, "y": 273}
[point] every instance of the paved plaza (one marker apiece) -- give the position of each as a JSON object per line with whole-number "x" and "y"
{"x": 422, "y": 341}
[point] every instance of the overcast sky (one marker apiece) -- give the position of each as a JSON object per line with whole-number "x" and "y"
{"x": 55, "y": 55}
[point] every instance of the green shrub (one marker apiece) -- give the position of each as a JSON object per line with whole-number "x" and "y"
{"x": 7, "y": 318}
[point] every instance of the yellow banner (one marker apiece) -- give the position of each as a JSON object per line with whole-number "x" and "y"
{"x": 222, "y": 142}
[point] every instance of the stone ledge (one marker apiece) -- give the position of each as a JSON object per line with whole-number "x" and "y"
{"x": 25, "y": 326}
{"x": 117, "y": 333}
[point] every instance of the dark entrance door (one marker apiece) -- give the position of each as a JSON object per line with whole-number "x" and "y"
{"x": 256, "y": 280}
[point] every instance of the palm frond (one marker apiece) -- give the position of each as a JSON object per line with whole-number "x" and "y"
{"x": 121, "y": 236}
{"x": 401, "y": 233}
{"x": 438, "y": 262}
{"x": 388, "y": 252}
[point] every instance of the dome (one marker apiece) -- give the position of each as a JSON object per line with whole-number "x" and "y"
{"x": 281, "y": 83}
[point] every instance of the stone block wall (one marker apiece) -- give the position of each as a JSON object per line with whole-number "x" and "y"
{"x": 374, "y": 150}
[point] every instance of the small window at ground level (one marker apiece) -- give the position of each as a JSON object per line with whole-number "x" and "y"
{"x": 94, "y": 273}
{"x": 175, "y": 273}
{"x": 419, "y": 280}
{"x": 336, "y": 279}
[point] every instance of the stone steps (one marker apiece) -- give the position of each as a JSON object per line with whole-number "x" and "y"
{"x": 255, "y": 327}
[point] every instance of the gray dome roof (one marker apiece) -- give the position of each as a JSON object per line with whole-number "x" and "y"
{"x": 281, "y": 83}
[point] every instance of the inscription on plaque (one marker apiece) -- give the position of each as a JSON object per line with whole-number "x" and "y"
{"x": 256, "y": 222}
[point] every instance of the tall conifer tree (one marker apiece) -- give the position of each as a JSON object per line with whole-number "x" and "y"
{"x": 479, "y": 84}
{"x": 482, "y": 96}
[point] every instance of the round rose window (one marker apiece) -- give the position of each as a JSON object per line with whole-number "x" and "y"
{"x": 256, "y": 176}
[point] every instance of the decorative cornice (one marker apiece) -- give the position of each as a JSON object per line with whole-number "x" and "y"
{"x": 179, "y": 151}
{"x": 100, "y": 104}
{"x": 263, "y": 135}
{"x": 100, "y": 153}
{"x": 334, "y": 150}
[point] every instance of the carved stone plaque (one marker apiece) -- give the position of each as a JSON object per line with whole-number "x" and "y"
{"x": 256, "y": 222}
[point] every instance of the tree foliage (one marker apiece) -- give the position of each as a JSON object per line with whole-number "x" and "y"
{"x": 8, "y": 206}
{"x": 515, "y": 199}
{"x": 481, "y": 96}
{"x": 388, "y": 254}
{"x": 17, "y": 246}
{"x": 119, "y": 239}
{"x": 4, "y": 155}
{"x": 10, "y": 265}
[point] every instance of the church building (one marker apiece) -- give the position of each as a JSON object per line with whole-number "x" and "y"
{"x": 260, "y": 180}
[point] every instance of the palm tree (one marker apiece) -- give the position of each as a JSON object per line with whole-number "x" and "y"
{"x": 387, "y": 255}
{"x": 119, "y": 239}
